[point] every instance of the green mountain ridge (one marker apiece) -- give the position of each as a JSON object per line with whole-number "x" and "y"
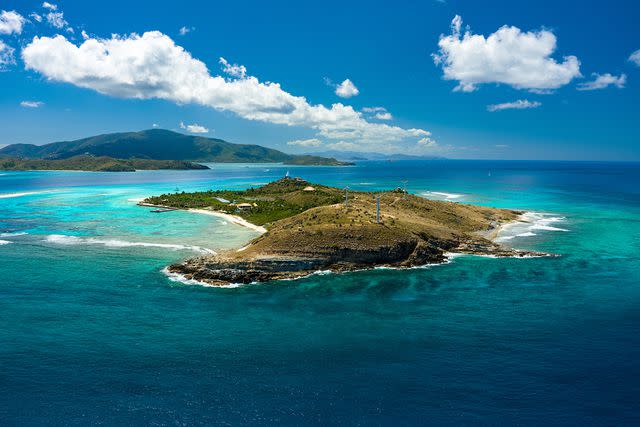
{"x": 160, "y": 144}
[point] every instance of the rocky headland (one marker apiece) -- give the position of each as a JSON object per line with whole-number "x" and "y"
{"x": 311, "y": 228}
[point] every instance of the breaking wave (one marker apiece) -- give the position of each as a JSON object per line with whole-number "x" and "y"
{"x": 527, "y": 224}
{"x": 61, "y": 239}
{"x": 179, "y": 278}
{"x": 441, "y": 195}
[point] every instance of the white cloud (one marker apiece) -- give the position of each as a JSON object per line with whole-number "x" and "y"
{"x": 520, "y": 104}
{"x": 383, "y": 116}
{"x": 155, "y": 125}
{"x": 379, "y": 113}
{"x": 152, "y": 66}
{"x": 234, "y": 70}
{"x": 49, "y": 6}
{"x": 11, "y": 22}
{"x": 56, "y": 19}
{"x": 635, "y": 57}
{"x": 194, "y": 128}
{"x": 347, "y": 89}
{"x": 602, "y": 81}
{"x": 84, "y": 35}
{"x": 31, "y": 104}
{"x": 373, "y": 109}
{"x": 508, "y": 56}
{"x": 184, "y": 30}
{"x": 6, "y": 56}
{"x": 36, "y": 17}
{"x": 312, "y": 142}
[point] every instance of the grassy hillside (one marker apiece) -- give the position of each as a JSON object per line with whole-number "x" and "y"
{"x": 98, "y": 164}
{"x": 159, "y": 144}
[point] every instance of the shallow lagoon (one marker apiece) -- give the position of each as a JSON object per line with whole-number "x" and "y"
{"x": 95, "y": 332}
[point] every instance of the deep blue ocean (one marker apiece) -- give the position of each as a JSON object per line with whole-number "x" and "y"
{"x": 93, "y": 332}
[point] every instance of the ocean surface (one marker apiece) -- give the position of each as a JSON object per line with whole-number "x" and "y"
{"x": 93, "y": 332}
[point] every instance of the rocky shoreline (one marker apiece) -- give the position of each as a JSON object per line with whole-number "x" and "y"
{"x": 221, "y": 270}
{"x": 389, "y": 229}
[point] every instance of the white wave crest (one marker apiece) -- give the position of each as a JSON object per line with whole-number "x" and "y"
{"x": 527, "y": 223}
{"x": 61, "y": 239}
{"x": 19, "y": 233}
{"x": 4, "y": 242}
{"x": 441, "y": 195}
{"x": 26, "y": 193}
{"x": 179, "y": 278}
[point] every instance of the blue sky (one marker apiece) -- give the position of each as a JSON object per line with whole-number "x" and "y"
{"x": 385, "y": 50}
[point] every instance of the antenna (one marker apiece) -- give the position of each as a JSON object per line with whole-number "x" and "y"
{"x": 346, "y": 196}
{"x": 377, "y": 209}
{"x": 404, "y": 182}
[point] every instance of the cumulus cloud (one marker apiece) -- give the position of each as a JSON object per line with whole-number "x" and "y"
{"x": 56, "y": 19}
{"x": 11, "y": 22}
{"x": 31, "y": 104}
{"x": 49, "y": 6}
{"x": 234, "y": 70}
{"x": 6, "y": 56}
{"x": 194, "y": 128}
{"x": 521, "y": 104}
{"x": 36, "y": 17}
{"x": 347, "y": 89}
{"x": 379, "y": 113}
{"x": 508, "y": 56}
{"x": 184, "y": 30}
{"x": 635, "y": 57}
{"x": 153, "y": 66}
{"x": 602, "y": 81}
{"x": 312, "y": 142}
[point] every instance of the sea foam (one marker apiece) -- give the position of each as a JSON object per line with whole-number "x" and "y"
{"x": 441, "y": 195}
{"x": 179, "y": 278}
{"x": 18, "y": 233}
{"x": 61, "y": 239}
{"x": 527, "y": 223}
{"x": 4, "y": 242}
{"x": 27, "y": 193}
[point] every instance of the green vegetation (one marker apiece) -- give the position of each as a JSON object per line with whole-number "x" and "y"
{"x": 161, "y": 144}
{"x": 97, "y": 164}
{"x": 309, "y": 228}
{"x": 272, "y": 202}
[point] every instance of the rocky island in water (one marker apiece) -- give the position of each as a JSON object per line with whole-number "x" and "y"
{"x": 311, "y": 227}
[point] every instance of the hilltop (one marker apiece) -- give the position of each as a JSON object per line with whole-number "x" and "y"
{"x": 160, "y": 144}
{"x": 309, "y": 228}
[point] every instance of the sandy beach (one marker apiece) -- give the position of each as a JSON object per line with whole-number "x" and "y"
{"x": 231, "y": 218}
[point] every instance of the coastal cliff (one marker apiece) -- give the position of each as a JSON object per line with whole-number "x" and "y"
{"x": 310, "y": 228}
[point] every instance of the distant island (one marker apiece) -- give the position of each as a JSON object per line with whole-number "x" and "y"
{"x": 310, "y": 227}
{"x": 149, "y": 149}
{"x": 96, "y": 164}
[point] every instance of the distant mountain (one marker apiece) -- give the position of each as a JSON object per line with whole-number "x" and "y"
{"x": 356, "y": 155}
{"x": 159, "y": 144}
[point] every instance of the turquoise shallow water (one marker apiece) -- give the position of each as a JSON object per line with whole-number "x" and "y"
{"x": 91, "y": 331}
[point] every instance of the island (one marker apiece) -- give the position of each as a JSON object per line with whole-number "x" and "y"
{"x": 148, "y": 149}
{"x": 96, "y": 164}
{"x": 309, "y": 228}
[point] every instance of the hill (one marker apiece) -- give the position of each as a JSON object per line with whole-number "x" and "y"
{"x": 160, "y": 144}
{"x": 309, "y": 228}
{"x": 97, "y": 164}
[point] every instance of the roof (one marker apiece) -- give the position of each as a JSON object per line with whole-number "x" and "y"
{"x": 309, "y": 188}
